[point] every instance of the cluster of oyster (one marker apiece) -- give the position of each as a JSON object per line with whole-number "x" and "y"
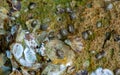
{"x": 30, "y": 50}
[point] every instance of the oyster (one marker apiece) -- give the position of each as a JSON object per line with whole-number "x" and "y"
{"x": 101, "y": 71}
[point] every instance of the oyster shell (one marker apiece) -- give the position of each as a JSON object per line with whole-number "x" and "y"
{"x": 17, "y": 50}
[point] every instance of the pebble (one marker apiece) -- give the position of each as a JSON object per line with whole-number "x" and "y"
{"x": 34, "y": 23}
{"x": 44, "y": 27}
{"x": 109, "y": 6}
{"x": 32, "y": 5}
{"x": 64, "y": 32}
{"x": 100, "y": 55}
{"x": 117, "y": 38}
{"x": 51, "y": 35}
{"x": 82, "y": 72}
{"x": 85, "y": 35}
{"x": 117, "y": 71}
{"x": 99, "y": 24}
{"x": 71, "y": 28}
{"x": 72, "y": 16}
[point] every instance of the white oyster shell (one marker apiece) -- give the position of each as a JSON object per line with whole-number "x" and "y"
{"x": 25, "y": 63}
{"x": 30, "y": 55}
{"x": 101, "y": 71}
{"x": 17, "y": 50}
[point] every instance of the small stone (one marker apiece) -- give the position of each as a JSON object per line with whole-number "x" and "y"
{"x": 72, "y": 16}
{"x": 86, "y": 64}
{"x": 64, "y": 32}
{"x": 100, "y": 55}
{"x": 44, "y": 27}
{"x": 89, "y": 5}
{"x": 32, "y": 5}
{"x": 117, "y": 71}
{"x": 109, "y": 6}
{"x": 82, "y": 72}
{"x": 51, "y": 35}
{"x": 117, "y": 38}
{"x": 8, "y": 53}
{"x": 71, "y": 28}
{"x": 85, "y": 35}
{"x": 69, "y": 10}
{"x": 99, "y": 24}
{"x": 34, "y": 23}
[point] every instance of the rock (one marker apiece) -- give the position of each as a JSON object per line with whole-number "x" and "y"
{"x": 71, "y": 28}
{"x": 82, "y": 72}
{"x": 44, "y": 27}
{"x": 31, "y": 5}
{"x": 72, "y": 16}
{"x": 86, "y": 35}
{"x": 99, "y": 24}
{"x": 117, "y": 71}
{"x": 64, "y": 32}
{"x": 109, "y": 6}
{"x": 100, "y": 55}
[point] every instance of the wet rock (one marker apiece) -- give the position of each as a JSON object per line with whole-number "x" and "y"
{"x": 64, "y": 32}
{"x": 101, "y": 71}
{"x": 32, "y": 5}
{"x": 44, "y": 27}
{"x": 71, "y": 28}
{"x": 100, "y": 55}
{"x": 117, "y": 71}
